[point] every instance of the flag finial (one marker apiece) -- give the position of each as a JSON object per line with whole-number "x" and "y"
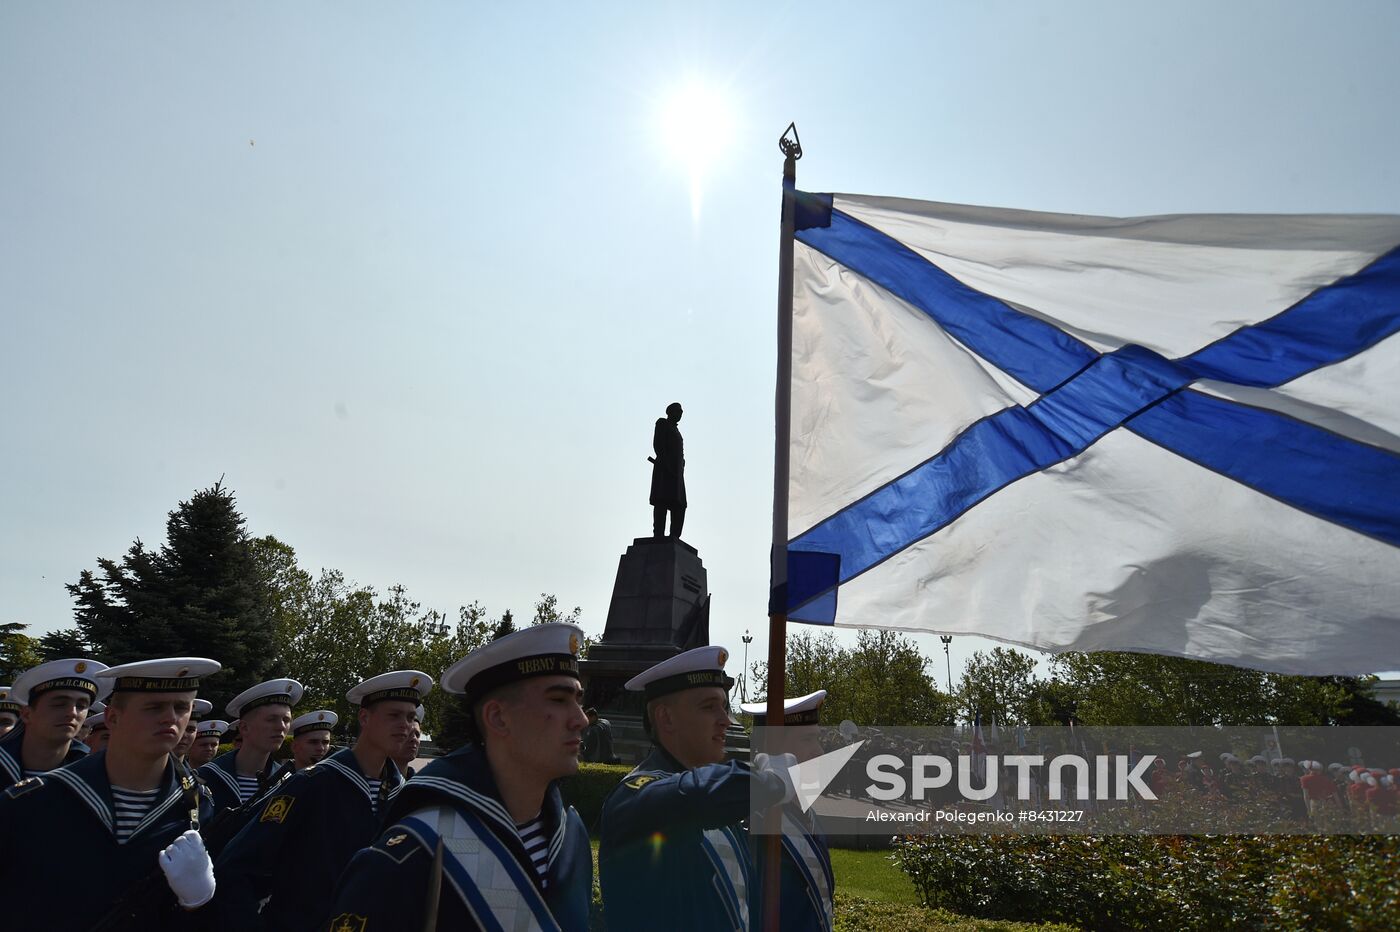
{"x": 792, "y": 148}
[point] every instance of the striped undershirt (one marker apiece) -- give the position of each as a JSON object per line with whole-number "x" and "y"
{"x": 247, "y": 787}
{"x": 129, "y": 807}
{"x": 536, "y": 846}
{"x": 374, "y": 795}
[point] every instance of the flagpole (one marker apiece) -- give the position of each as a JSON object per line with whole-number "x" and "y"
{"x": 791, "y": 148}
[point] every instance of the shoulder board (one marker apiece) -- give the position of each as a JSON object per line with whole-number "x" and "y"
{"x": 27, "y": 785}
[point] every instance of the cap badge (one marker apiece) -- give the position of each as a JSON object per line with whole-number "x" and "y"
{"x": 80, "y": 667}
{"x": 573, "y": 643}
{"x": 321, "y": 717}
{"x": 413, "y": 683}
{"x": 184, "y": 672}
{"x": 723, "y": 657}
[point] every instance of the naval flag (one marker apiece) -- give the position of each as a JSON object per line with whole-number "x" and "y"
{"x": 1175, "y": 434}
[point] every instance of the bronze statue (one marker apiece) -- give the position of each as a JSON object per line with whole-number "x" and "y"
{"x": 668, "y": 473}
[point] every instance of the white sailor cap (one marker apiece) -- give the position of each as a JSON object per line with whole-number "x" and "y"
{"x": 420, "y": 714}
{"x": 6, "y": 703}
{"x": 97, "y": 707}
{"x": 233, "y": 726}
{"x": 284, "y": 691}
{"x": 1258, "y": 759}
{"x": 212, "y": 727}
{"x": 94, "y": 722}
{"x": 1229, "y": 758}
{"x": 202, "y": 707}
{"x": 320, "y": 720}
{"x": 539, "y": 650}
{"x": 403, "y": 685}
{"x": 166, "y": 675}
{"x": 1314, "y": 765}
{"x": 76, "y": 673}
{"x": 693, "y": 669}
{"x": 1335, "y": 766}
{"x": 1194, "y": 754}
{"x": 804, "y": 710}
{"x": 1284, "y": 761}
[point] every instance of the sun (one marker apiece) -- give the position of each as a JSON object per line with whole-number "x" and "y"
{"x": 697, "y": 129}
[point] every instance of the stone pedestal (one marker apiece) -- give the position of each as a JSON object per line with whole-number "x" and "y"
{"x": 660, "y": 607}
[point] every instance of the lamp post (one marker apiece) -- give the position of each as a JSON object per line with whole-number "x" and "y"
{"x": 947, "y": 657}
{"x": 744, "y": 674}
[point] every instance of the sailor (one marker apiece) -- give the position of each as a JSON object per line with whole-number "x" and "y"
{"x": 408, "y": 752}
{"x": 96, "y": 726}
{"x": 806, "y": 877}
{"x": 54, "y": 698}
{"x": 673, "y": 842}
{"x": 308, "y": 830}
{"x": 132, "y": 809}
{"x": 202, "y": 707}
{"x": 94, "y": 710}
{"x": 9, "y": 712}
{"x": 206, "y": 742}
{"x": 264, "y": 713}
{"x": 480, "y": 839}
{"x": 311, "y": 737}
{"x": 235, "y": 737}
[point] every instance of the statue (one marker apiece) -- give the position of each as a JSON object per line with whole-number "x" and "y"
{"x": 668, "y": 473}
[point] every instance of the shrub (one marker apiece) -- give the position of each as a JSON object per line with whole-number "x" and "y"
{"x": 587, "y": 789}
{"x": 1115, "y": 882}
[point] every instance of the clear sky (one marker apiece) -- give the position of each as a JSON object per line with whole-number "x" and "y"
{"x": 416, "y": 278}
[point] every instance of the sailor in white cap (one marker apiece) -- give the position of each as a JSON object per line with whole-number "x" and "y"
{"x": 280, "y": 871}
{"x": 806, "y": 879}
{"x": 96, "y": 739}
{"x": 202, "y": 707}
{"x": 673, "y": 842}
{"x": 134, "y": 809}
{"x": 311, "y": 737}
{"x": 54, "y": 698}
{"x": 9, "y": 711}
{"x": 480, "y": 838}
{"x": 408, "y": 751}
{"x": 206, "y": 742}
{"x": 264, "y": 713}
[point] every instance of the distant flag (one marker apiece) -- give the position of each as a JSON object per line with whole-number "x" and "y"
{"x": 1173, "y": 434}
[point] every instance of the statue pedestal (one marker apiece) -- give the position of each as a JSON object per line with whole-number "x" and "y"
{"x": 660, "y": 607}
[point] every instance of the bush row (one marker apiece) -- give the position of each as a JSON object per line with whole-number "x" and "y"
{"x": 587, "y": 789}
{"x": 1112, "y": 882}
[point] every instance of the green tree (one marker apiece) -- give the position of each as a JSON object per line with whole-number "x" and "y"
{"x": 1002, "y": 686}
{"x": 882, "y": 680}
{"x": 18, "y": 651}
{"x": 1120, "y": 688}
{"x": 65, "y": 642}
{"x": 505, "y": 626}
{"x": 199, "y": 595}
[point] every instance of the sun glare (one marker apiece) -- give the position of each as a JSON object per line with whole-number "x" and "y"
{"x": 697, "y": 126}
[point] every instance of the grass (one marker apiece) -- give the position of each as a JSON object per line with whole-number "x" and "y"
{"x": 871, "y": 875}
{"x": 871, "y": 893}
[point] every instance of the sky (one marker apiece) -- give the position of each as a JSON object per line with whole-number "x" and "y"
{"x": 416, "y": 279}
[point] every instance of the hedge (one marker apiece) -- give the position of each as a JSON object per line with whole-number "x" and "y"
{"x": 1113, "y": 882}
{"x": 587, "y": 789}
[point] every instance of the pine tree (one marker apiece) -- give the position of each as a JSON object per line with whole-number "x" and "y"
{"x": 200, "y": 595}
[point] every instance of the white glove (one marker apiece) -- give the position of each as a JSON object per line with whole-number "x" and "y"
{"x": 188, "y": 870}
{"x": 780, "y": 765}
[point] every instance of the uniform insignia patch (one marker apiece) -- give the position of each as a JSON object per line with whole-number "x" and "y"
{"x": 24, "y": 786}
{"x": 640, "y": 780}
{"x": 396, "y": 840}
{"x": 276, "y": 810}
{"x": 187, "y": 783}
{"x": 349, "y": 922}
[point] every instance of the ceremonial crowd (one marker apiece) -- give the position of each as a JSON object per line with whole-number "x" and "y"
{"x": 142, "y": 827}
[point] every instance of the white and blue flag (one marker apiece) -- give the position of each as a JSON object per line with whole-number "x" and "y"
{"x": 1174, "y": 434}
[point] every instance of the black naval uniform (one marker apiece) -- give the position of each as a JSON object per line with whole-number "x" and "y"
{"x": 806, "y": 878}
{"x": 293, "y": 850}
{"x": 221, "y": 775}
{"x": 388, "y": 885}
{"x": 673, "y": 845}
{"x": 12, "y": 761}
{"x": 52, "y": 822}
